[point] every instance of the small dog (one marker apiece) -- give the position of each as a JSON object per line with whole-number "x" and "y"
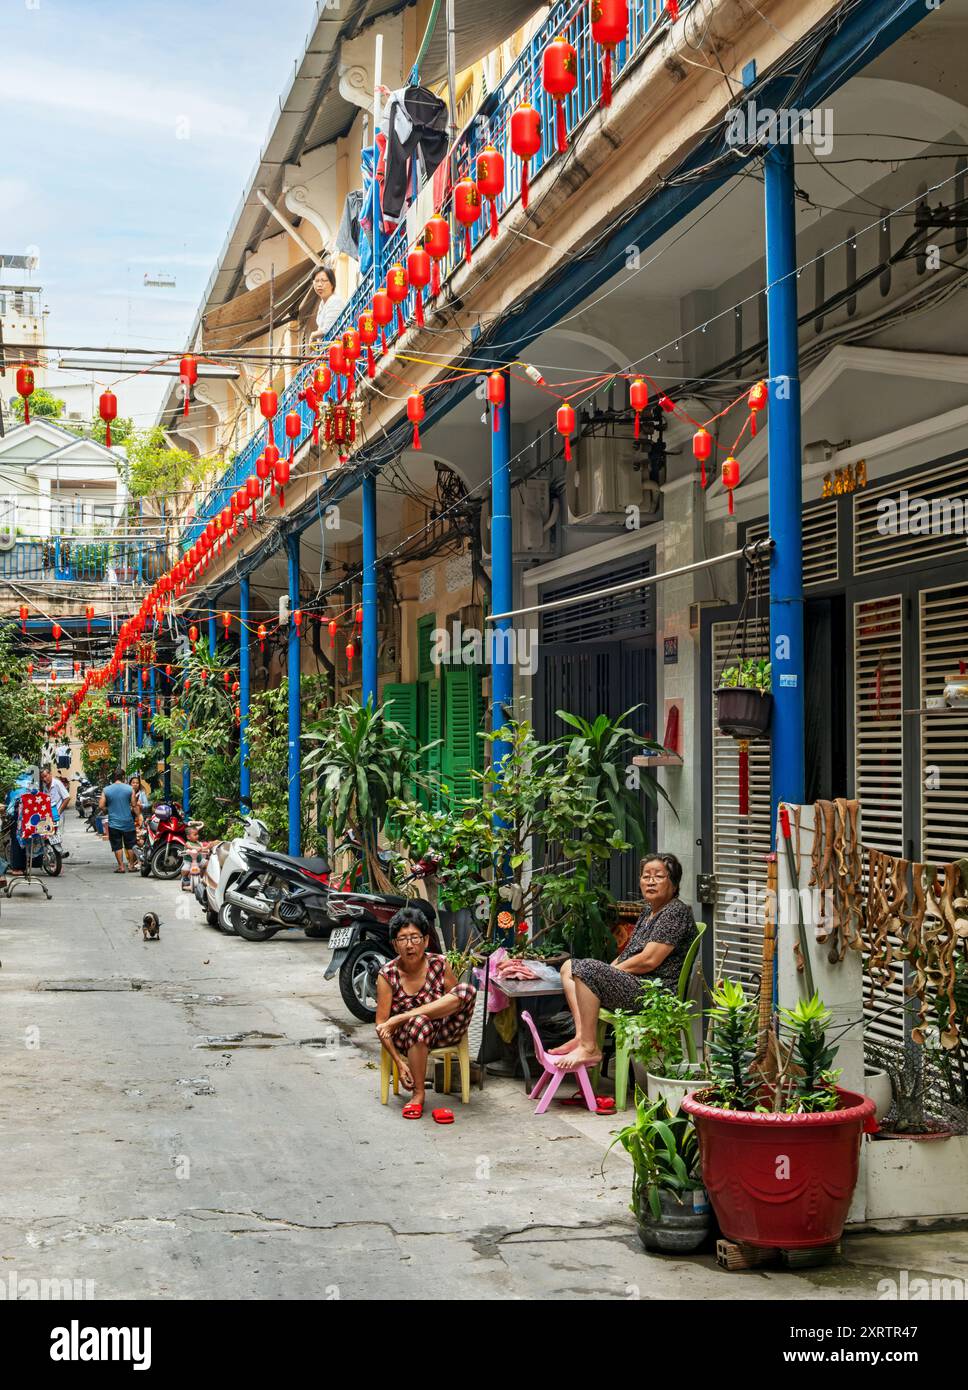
{"x": 151, "y": 927}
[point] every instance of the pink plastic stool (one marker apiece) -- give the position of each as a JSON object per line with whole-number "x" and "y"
{"x": 552, "y": 1076}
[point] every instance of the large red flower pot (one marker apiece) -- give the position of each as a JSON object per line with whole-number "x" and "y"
{"x": 781, "y": 1181}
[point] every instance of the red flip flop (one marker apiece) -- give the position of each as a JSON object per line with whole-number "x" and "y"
{"x": 412, "y": 1110}
{"x": 443, "y": 1117}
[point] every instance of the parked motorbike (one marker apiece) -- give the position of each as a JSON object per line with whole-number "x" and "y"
{"x": 225, "y": 866}
{"x": 165, "y": 839}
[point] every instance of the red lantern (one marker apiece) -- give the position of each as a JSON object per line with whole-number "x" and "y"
{"x": 24, "y": 611}
{"x": 666, "y": 404}
{"x": 383, "y": 313}
{"x": 610, "y": 27}
{"x": 226, "y": 622}
{"x": 702, "y": 447}
{"x": 322, "y": 381}
{"x": 337, "y": 365}
{"x": 262, "y": 467}
{"x": 352, "y": 348}
{"x": 368, "y": 330}
{"x": 57, "y": 632}
{"x": 415, "y": 414}
{"x": 268, "y": 405}
{"x": 236, "y": 688}
{"x": 332, "y": 627}
{"x": 490, "y": 179}
{"x": 25, "y": 389}
{"x": 281, "y": 479}
{"x": 638, "y": 399}
{"x": 350, "y": 653}
{"x": 398, "y": 287}
{"x": 188, "y": 374}
{"x": 168, "y": 670}
{"x": 297, "y": 621}
{"x": 53, "y": 676}
{"x": 359, "y": 617}
{"x": 226, "y": 519}
{"x": 227, "y": 679}
{"x": 89, "y": 614}
{"x": 566, "y": 427}
{"x": 496, "y": 395}
{"x": 672, "y": 8}
{"x": 261, "y": 634}
{"x": 467, "y": 209}
{"x": 756, "y": 401}
{"x": 293, "y": 431}
{"x": 559, "y": 77}
{"x": 30, "y": 668}
{"x": 193, "y": 635}
{"x": 187, "y": 684}
{"x": 731, "y": 478}
{"x": 253, "y": 491}
{"x": 437, "y": 242}
{"x": 419, "y": 273}
{"x": 525, "y": 141}
{"x": 107, "y": 408}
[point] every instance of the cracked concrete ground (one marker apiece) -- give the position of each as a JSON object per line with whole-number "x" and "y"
{"x": 199, "y": 1118}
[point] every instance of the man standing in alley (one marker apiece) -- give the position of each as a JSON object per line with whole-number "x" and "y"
{"x": 120, "y": 803}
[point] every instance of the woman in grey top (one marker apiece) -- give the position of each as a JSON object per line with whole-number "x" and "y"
{"x": 657, "y": 948}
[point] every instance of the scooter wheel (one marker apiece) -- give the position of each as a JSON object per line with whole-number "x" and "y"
{"x": 166, "y": 862}
{"x": 357, "y": 979}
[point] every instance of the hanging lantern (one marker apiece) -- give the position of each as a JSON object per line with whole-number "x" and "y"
{"x": 667, "y": 405}
{"x": 350, "y": 653}
{"x": 168, "y": 670}
{"x": 236, "y": 688}
{"x": 467, "y": 209}
{"x": 566, "y": 426}
{"x": 193, "y": 635}
{"x": 226, "y": 519}
{"x": 107, "y": 408}
{"x": 359, "y": 617}
{"x": 227, "y": 679}
{"x": 490, "y": 179}
{"x": 756, "y": 400}
{"x": 188, "y": 375}
{"x": 672, "y": 9}
{"x": 352, "y": 349}
{"x": 53, "y": 676}
{"x": 415, "y": 414}
{"x": 332, "y": 627}
{"x": 419, "y": 273}
{"x": 368, "y": 330}
{"x": 638, "y": 399}
{"x": 383, "y": 313}
{"x": 253, "y": 491}
{"x": 610, "y": 27}
{"x": 293, "y": 431}
{"x": 312, "y": 403}
{"x": 559, "y": 77}
{"x": 57, "y": 632}
{"x": 322, "y": 381}
{"x": 226, "y": 623}
{"x": 398, "y": 287}
{"x": 268, "y": 405}
{"x": 261, "y": 634}
{"x": 281, "y": 479}
{"x": 525, "y": 141}
{"x": 262, "y": 467}
{"x": 437, "y": 242}
{"x": 187, "y": 683}
{"x": 24, "y": 610}
{"x": 25, "y": 389}
{"x": 730, "y": 478}
{"x": 30, "y": 668}
{"x": 89, "y": 614}
{"x": 702, "y": 447}
{"x": 496, "y": 395}
{"x": 337, "y": 365}
{"x": 297, "y": 621}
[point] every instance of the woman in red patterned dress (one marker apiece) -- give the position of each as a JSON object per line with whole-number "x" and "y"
{"x": 419, "y": 1005}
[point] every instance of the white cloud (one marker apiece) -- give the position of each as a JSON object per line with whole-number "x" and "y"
{"x": 14, "y": 193}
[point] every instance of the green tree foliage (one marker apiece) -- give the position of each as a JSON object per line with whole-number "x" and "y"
{"x": 43, "y": 404}
{"x": 95, "y": 724}
{"x": 155, "y": 469}
{"x": 269, "y": 758}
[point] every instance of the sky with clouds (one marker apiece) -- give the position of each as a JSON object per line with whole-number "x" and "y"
{"x": 128, "y": 132}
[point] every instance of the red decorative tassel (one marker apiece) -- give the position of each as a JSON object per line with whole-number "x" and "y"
{"x": 562, "y": 128}
{"x": 370, "y": 363}
{"x": 383, "y": 339}
{"x": 638, "y": 422}
{"x": 524, "y": 184}
{"x": 730, "y": 507}
{"x": 107, "y": 435}
{"x": 493, "y": 217}
{"x": 401, "y": 324}
{"x": 282, "y": 498}
{"x": 418, "y": 312}
{"x": 316, "y": 432}
{"x": 567, "y": 448}
{"x": 416, "y": 436}
{"x": 187, "y": 394}
{"x": 435, "y": 278}
{"x": 496, "y": 413}
{"x": 467, "y": 245}
{"x": 26, "y": 411}
{"x": 752, "y": 424}
{"x": 702, "y": 477}
{"x": 292, "y": 451}
{"x": 744, "y": 779}
{"x": 607, "y": 79}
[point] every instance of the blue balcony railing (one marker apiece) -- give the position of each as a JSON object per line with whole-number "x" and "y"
{"x": 82, "y": 561}
{"x": 490, "y": 123}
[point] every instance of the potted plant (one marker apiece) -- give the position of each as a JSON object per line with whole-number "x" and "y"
{"x": 744, "y": 699}
{"x": 780, "y": 1148}
{"x": 653, "y": 1036}
{"x": 670, "y": 1204}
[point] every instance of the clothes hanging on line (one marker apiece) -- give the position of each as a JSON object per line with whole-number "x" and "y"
{"x": 415, "y": 127}
{"x": 348, "y": 234}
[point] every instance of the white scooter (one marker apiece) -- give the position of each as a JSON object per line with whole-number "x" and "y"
{"x": 225, "y": 864}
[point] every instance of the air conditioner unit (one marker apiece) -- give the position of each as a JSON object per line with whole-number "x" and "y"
{"x": 606, "y": 476}
{"x": 531, "y": 521}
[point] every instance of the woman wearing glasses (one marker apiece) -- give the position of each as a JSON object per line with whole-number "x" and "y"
{"x": 657, "y": 948}
{"x": 419, "y": 1004}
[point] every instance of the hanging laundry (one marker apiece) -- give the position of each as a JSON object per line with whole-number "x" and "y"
{"x": 348, "y": 235}
{"x": 415, "y": 125}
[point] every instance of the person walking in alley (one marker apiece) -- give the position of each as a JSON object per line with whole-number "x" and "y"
{"x": 119, "y": 802}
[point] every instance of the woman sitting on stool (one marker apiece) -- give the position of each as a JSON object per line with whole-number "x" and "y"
{"x": 419, "y": 1004}
{"x": 657, "y": 948}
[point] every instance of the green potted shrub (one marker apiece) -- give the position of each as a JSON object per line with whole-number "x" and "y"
{"x": 657, "y": 1037}
{"x": 670, "y": 1204}
{"x": 744, "y": 699}
{"x": 780, "y": 1146}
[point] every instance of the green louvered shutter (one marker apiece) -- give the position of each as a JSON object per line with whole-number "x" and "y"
{"x": 434, "y": 758}
{"x": 462, "y": 723}
{"x": 400, "y": 705}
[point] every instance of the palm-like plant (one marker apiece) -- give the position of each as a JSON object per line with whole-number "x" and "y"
{"x": 732, "y": 1043}
{"x": 664, "y": 1151}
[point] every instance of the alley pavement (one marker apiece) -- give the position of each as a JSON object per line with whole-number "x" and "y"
{"x": 199, "y": 1117}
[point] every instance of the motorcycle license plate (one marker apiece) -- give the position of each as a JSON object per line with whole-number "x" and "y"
{"x": 340, "y": 938}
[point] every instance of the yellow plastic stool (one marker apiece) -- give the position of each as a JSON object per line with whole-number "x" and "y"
{"x": 460, "y": 1050}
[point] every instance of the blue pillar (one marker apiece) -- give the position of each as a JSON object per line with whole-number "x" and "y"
{"x": 186, "y": 790}
{"x": 139, "y": 727}
{"x": 502, "y": 577}
{"x": 152, "y": 689}
{"x": 370, "y": 614}
{"x": 786, "y": 500}
{"x": 295, "y": 777}
{"x": 212, "y": 632}
{"x": 245, "y": 776}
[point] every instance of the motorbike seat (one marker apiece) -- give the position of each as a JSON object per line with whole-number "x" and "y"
{"x": 312, "y": 864}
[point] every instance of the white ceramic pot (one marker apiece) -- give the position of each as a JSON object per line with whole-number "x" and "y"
{"x": 877, "y": 1085}
{"x": 671, "y": 1089}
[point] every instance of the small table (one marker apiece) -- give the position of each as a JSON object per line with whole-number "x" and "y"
{"x": 516, "y": 990}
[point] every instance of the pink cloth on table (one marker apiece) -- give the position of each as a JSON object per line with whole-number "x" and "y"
{"x": 496, "y": 998}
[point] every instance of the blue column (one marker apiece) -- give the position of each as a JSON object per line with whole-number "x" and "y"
{"x": 186, "y": 789}
{"x": 786, "y": 500}
{"x": 152, "y": 687}
{"x": 370, "y": 614}
{"x": 295, "y": 776}
{"x": 245, "y": 776}
{"x": 212, "y": 632}
{"x": 139, "y": 727}
{"x": 502, "y": 576}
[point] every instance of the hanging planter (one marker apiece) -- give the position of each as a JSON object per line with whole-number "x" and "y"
{"x": 742, "y": 712}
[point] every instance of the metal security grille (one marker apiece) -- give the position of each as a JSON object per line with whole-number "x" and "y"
{"x": 914, "y": 522}
{"x": 879, "y": 764}
{"x": 598, "y": 620}
{"x": 944, "y": 733}
{"x": 821, "y": 537}
{"x": 740, "y": 843}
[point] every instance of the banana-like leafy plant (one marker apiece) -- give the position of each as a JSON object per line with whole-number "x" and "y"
{"x": 664, "y": 1151}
